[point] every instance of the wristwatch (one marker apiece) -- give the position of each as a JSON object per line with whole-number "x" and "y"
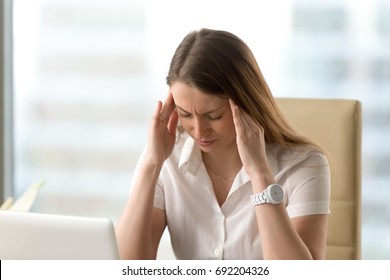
{"x": 273, "y": 194}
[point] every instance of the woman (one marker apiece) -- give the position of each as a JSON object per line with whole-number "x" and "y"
{"x": 215, "y": 181}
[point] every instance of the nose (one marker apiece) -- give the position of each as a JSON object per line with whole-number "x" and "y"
{"x": 200, "y": 128}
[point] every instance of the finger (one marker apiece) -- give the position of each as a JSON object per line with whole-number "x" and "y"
{"x": 237, "y": 118}
{"x": 157, "y": 111}
{"x": 156, "y": 116}
{"x": 168, "y": 107}
{"x": 235, "y": 112}
{"x": 247, "y": 120}
{"x": 243, "y": 119}
{"x": 172, "y": 124}
{"x": 233, "y": 106}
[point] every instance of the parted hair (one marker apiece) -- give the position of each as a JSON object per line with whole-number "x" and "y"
{"x": 220, "y": 63}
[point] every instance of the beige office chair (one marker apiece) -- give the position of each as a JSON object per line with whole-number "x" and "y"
{"x": 335, "y": 125}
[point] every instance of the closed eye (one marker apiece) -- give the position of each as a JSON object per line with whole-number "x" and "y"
{"x": 215, "y": 118}
{"x": 213, "y": 115}
{"x": 184, "y": 115}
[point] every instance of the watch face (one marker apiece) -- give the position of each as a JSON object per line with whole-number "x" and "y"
{"x": 276, "y": 194}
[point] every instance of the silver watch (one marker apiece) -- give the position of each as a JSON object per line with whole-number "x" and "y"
{"x": 273, "y": 194}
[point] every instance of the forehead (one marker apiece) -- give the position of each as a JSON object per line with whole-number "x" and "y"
{"x": 191, "y": 98}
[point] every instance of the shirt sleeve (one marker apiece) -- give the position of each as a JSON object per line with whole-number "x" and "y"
{"x": 307, "y": 185}
{"x": 159, "y": 201}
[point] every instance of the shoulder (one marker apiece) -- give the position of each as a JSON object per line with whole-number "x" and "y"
{"x": 303, "y": 161}
{"x": 301, "y": 155}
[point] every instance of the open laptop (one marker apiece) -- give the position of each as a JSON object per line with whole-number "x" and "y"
{"x": 31, "y": 236}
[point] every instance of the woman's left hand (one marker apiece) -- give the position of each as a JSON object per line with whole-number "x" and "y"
{"x": 250, "y": 143}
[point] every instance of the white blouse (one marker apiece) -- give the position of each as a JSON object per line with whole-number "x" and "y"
{"x": 201, "y": 229}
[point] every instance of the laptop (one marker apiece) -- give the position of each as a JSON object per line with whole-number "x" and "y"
{"x": 33, "y": 236}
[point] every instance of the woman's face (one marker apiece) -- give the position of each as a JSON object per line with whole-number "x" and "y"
{"x": 206, "y": 118}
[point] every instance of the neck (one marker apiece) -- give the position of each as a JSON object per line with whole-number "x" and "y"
{"x": 225, "y": 164}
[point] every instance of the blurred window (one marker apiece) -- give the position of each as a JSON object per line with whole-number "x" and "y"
{"x": 87, "y": 75}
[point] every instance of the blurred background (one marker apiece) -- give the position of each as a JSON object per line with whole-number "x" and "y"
{"x": 87, "y": 75}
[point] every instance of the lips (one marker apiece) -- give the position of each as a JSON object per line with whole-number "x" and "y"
{"x": 205, "y": 143}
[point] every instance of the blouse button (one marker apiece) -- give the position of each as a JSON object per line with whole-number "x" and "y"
{"x": 216, "y": 252}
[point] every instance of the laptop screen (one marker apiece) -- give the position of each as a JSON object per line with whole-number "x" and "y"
{"x": 45, "y": 237}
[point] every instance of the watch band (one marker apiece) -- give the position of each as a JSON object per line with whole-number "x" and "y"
{"x": 273, "y": 194}
{"x": 258, "y": 198}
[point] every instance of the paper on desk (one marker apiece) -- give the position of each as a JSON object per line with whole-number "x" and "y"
{"x": 7, "y": 203}
{"x": 26, "y": 200}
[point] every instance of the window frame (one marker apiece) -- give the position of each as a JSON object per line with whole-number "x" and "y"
{"x": 6, "y": 104}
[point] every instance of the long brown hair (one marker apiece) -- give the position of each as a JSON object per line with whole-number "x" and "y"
{"x": 219, "y": 63}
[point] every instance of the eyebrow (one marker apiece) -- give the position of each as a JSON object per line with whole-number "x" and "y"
{"x": 205, "y": 113}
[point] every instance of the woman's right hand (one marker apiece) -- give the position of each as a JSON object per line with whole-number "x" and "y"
{"x": 162, "y": 132}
